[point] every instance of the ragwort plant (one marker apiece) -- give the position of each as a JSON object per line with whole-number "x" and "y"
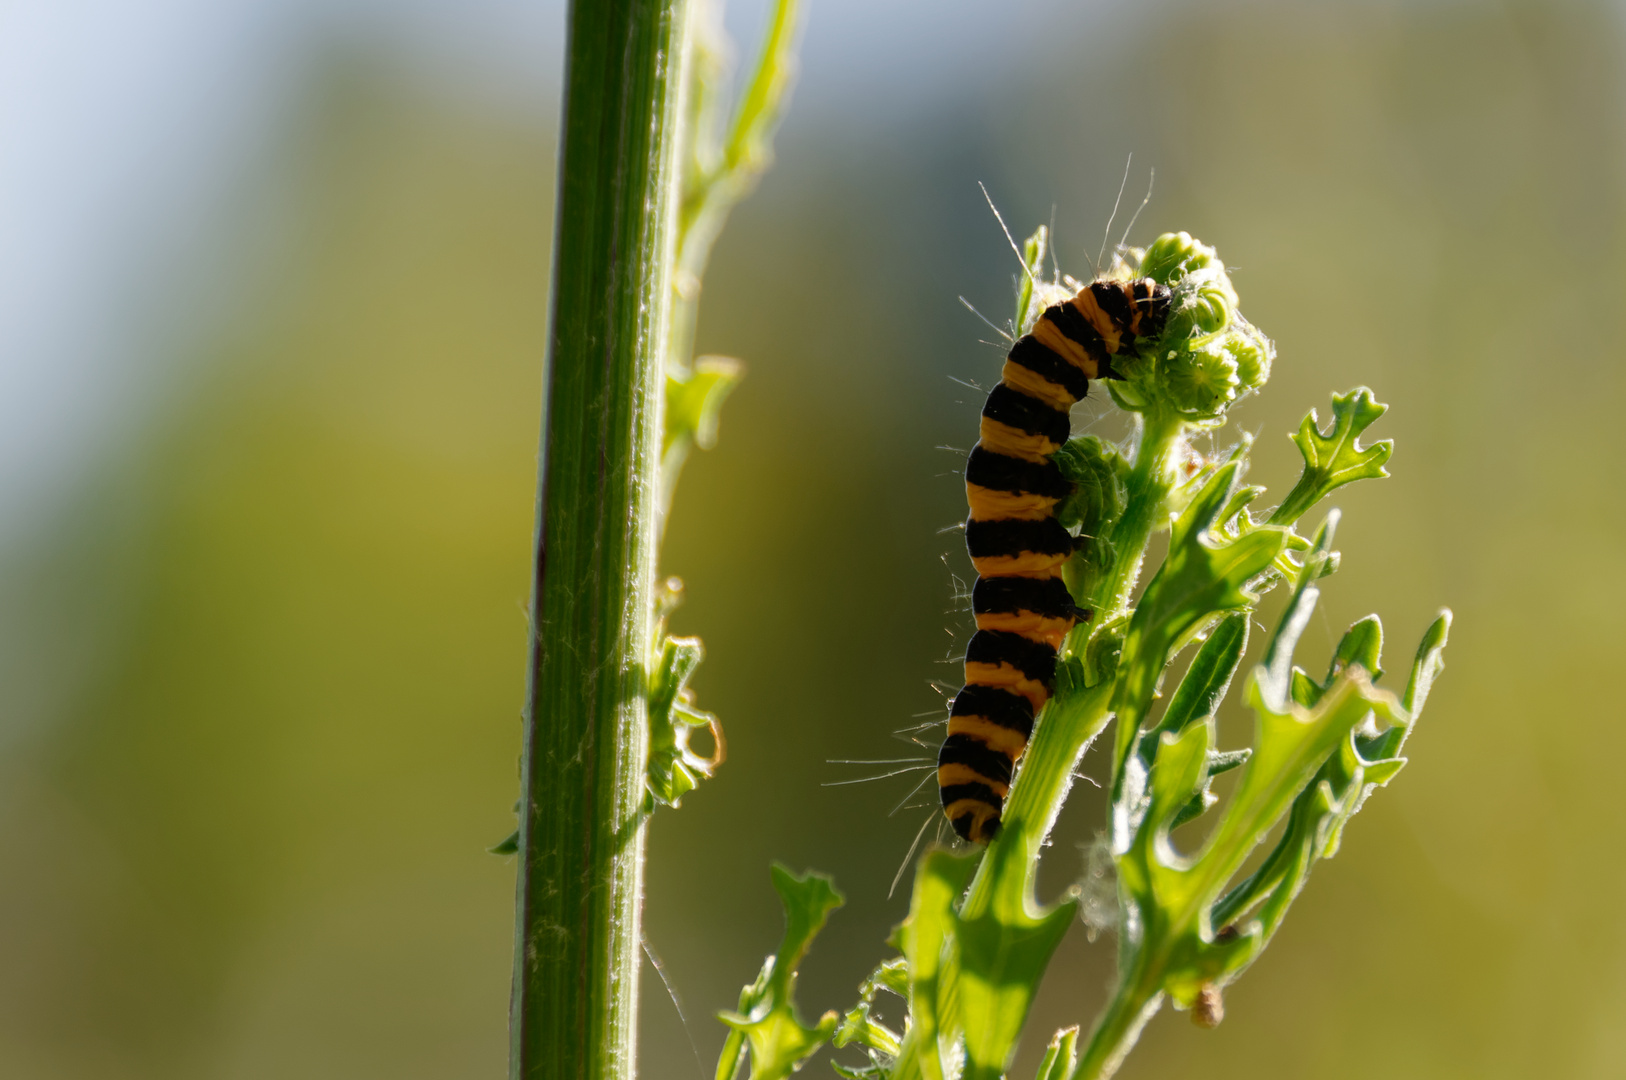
{"x": 652, "y": 159}
{"x": 975, "y": 945}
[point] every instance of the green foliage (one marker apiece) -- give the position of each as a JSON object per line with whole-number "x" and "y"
{"x": 977, "y": 941}
{"x": 926, "y": 941}
{"x": 509, "y": 845}
{"x": 1215, "y": 551}
{"x": 1034, "y": 250}
{"x": 767, "y": 1022}
{"x": 728, "y": 149}
{"x": 1366, "y": 761}
{"x": 694, "y": 401}
{"x": 1099, "y": 475}
{"x": 724, "y": 158}
{"x": 1306, "y": 755}
{"x": 674, "y": 767}
{"x": 1201, "y": 690}
{"x": 1336, "y": 459}
{"x": 1003, "y": 952}
{"x": 1061, "y": 1058}
{"x": 860, "y": 1028}
{"x": 1206, "y": 680}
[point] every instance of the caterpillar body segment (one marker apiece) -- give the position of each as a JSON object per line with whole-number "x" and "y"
{"x": 1022, "y": 607}
{"x": 1039, "y": 608}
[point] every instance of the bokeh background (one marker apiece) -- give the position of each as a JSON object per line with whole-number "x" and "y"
{"x": 273, "y": 293}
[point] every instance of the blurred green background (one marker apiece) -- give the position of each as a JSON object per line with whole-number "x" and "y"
{"x": 266, "y": 644}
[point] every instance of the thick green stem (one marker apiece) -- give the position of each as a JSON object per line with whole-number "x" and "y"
{"x": 1147, "y": 506}
{"x": 576, "y": 949}
{"x": 1149, "y": 486}
{"x": 1136, "y": 1001}
{"x": 1003, "y": 882}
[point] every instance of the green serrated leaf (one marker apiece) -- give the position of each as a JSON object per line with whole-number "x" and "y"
{"x": 1322, "y": 809}
{"x": 509, "y": 846}
{"x": 1178, "y": 774}
{"x": 1223, "y": 761}
{"x": 925, "y": 938}
{"x": 694, "y": 401}
{"x": 727, "y": 160}
{"x": 1381, "y": 746}
{"x": 1429, "y": 663}
{"x": 1303, "y": 689}
{"x": 767, "y": 1021}
{"x": 675, "y": 768}
{"x": 1003, "y": 956}
{"x": 1219, "y": 761}
{"x": 1202, "y": 575}
{"x": 1336, "y": 458}
{"x": 1361, "y": 644}
{"x": 1176, "y": 896}
{"x": 1208, "y": 679}
{"x": 1205, "y": 684}
{"x": 1306, "y": 764}
{"x": 1384, "y": 771}
{"x": 872, "y": 1071}
{"x": 1060, "y": 1060}
{"x": 1276, "y": 673}
{"x": 1033, "y": 255}
{"x": 860, "y": 1028}
{"x": 1234, "y": 520}
{"x": 1096, "y": 469}
{"x": 891, "y": 975}
{"x": 1202, "y": 802}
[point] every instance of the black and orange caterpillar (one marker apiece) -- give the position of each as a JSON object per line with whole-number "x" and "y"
{"x": 1022, "y": 606}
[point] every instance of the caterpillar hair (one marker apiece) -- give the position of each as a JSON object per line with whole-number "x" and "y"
{"x": 1012, "y": 482}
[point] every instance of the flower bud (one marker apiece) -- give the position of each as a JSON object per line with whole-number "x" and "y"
{"x": 1202, "y": 379}
{"x": 1177, "y": 255}
{"x": 1203, "y": 303}
{"x": 1208, "y": 355}
{"x": 1253, "y": 352}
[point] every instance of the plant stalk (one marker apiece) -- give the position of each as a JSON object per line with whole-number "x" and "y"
{"x": 1004, "y": 878}
{"x": 573, "y": 1013}
{"x": 1150, "y": 481}
{"x": 1116, "y": 1032}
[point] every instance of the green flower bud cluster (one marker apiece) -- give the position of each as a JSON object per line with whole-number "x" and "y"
{"x": 1208, "y": 355}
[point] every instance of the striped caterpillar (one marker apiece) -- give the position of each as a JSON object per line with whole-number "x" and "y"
{"x": 1022, "y": 606}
